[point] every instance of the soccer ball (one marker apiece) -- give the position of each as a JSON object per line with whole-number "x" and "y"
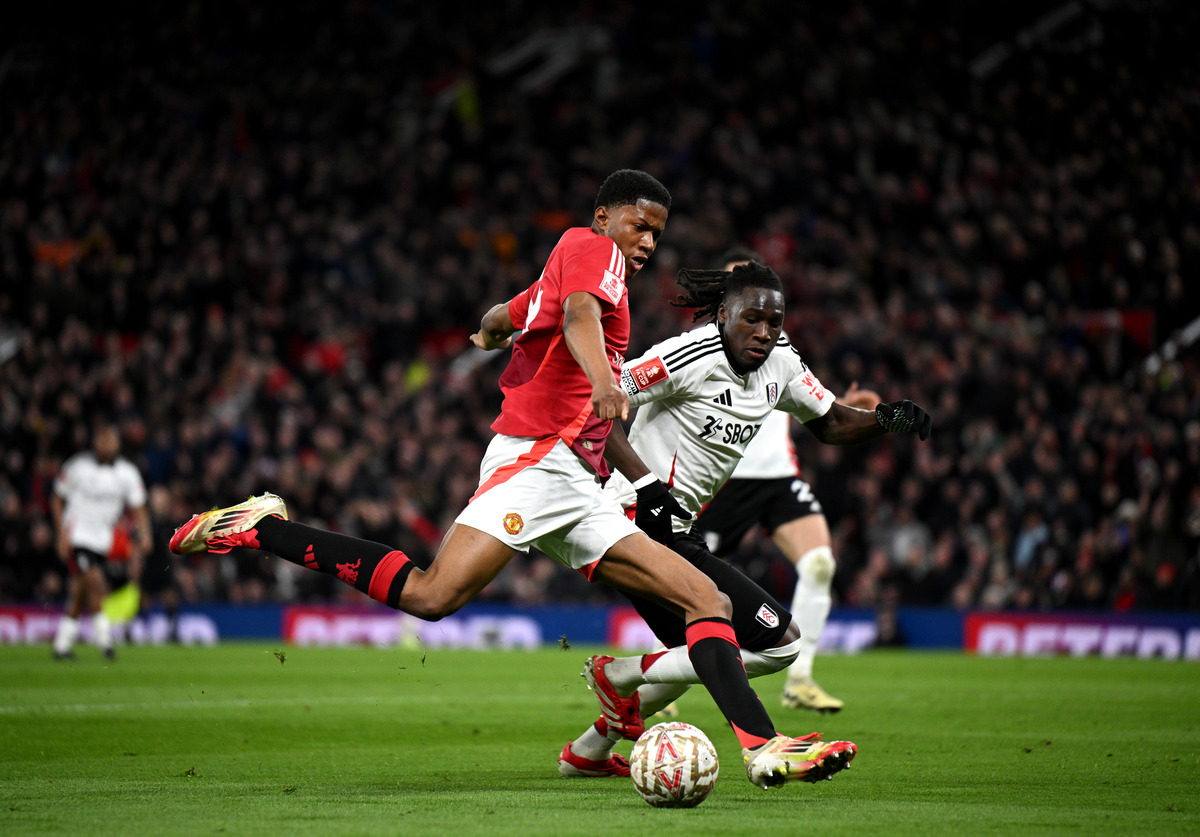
{"x": 673, "y": 765}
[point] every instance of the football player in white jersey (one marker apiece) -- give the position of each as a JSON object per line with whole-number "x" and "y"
{"x": 767, "y": 490}
{"x": 702, "y": 397}
{"x": 92, "y": 492}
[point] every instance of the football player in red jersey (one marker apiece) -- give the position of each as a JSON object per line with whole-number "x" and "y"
{"x": 541, "y": 477}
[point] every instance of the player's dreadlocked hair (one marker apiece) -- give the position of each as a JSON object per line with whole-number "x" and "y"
{"x": 625, "y": 187}
{"x": 706, "y": 289}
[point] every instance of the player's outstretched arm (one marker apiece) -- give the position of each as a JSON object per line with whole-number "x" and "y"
{"x": 495, "y": 330}
{"x": 844, "y": 425}
{"x": 584, "y": 336}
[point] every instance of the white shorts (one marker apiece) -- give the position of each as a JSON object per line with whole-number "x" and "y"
{"x": 537, "y": 493}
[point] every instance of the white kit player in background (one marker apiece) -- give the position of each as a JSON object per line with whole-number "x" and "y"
{"x": 767, "y": 490}
{"x": 92, "y": 493}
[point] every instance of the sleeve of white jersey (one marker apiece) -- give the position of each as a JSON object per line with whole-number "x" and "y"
{"x": 62, "y": 482}
{"x": 804, "y": 396}
{"x": 660, "y": 373}
{"x": 135, "y": 487}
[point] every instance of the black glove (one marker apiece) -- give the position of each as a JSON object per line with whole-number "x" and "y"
{"x": 655, "y": 508}
{"x": 904, "y": 417}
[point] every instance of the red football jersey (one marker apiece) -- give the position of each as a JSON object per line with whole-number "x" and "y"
{"x": 545, "y": 390}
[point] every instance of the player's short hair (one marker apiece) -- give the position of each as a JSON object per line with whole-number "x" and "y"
{"x": 737, "y": 253}
{"x": 625, "y": 187}
{"x": 705, "y": 290}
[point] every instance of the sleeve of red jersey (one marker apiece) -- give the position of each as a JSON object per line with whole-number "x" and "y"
{"x": 598, "y": 268}
{"x": 518, "y": 306}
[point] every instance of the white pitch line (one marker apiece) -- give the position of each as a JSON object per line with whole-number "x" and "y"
{"x": 200, "y": 703}
{"x": 242, "y": 703}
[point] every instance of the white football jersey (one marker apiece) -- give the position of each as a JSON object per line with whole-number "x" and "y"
{"x": 771, "y": 453}
{"x": 697, "y": 416}
{"x": 96, "y": 496}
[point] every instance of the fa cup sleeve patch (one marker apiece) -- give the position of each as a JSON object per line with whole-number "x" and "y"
{"x": 644, "y": 375}
{"x": 612, "y": 286}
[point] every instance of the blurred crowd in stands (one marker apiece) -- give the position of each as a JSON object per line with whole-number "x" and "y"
{"x": 258, "y": 236}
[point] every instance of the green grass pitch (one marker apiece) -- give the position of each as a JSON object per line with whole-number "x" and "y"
{"x": 234, "y": 740}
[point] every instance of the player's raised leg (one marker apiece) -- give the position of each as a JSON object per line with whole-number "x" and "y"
{"x": 467, "y": 561}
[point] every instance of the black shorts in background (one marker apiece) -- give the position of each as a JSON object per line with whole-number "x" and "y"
{"x": 742, "y": 503}
{"x": 83, "y": 560}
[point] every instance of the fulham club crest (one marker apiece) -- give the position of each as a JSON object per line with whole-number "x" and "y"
{"x": 772, "y": 393}
{"x": 767, "y": 615}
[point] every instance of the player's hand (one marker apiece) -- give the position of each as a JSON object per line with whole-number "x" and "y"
{"x": 863, "y": 399}
{"x": 609, "y": 401}
{"x": 656, "y": 505}
{"x": 489, "y": 342}
{"x": 904, "y": 417}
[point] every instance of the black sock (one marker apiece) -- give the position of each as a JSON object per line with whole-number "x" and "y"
{"x": 375, "y": 569}
{"x": 714, "y": 652}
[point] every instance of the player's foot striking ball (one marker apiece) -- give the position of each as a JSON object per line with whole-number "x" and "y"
{"x": 807, "y": 759}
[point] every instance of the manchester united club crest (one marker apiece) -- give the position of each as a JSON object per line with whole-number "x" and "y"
{"x": 772, "y": 393}
{"x": 513, "y": 524}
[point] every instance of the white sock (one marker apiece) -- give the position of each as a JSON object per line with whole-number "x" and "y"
{"x": 654, "y": 696}
{"x": 67, "y": 633}
{"x": 592, "y": 745}
{"x": 810, "y": 606}
{"x": 102, "y": 630}
{"x": 675, "y": 666}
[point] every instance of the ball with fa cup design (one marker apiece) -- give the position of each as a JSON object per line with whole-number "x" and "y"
{"x": 673, "y": 765}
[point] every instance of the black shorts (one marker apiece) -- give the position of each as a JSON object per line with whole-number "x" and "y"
{"x": 83, "y": 560}
{"x": 743, "y": 503}
{"x": 758, "y": 620}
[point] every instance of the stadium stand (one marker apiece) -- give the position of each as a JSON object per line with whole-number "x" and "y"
{"x": 258, "y": 235}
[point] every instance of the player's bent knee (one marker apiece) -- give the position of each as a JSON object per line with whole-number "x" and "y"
{"x": 430, "y": 605}
{"x": 792, "y": 634}
{"x": 701, "y": 595}
{"x": 817, "y": 565}
{"x": 430, "y": 611}
{"x": 720, "y": 604}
